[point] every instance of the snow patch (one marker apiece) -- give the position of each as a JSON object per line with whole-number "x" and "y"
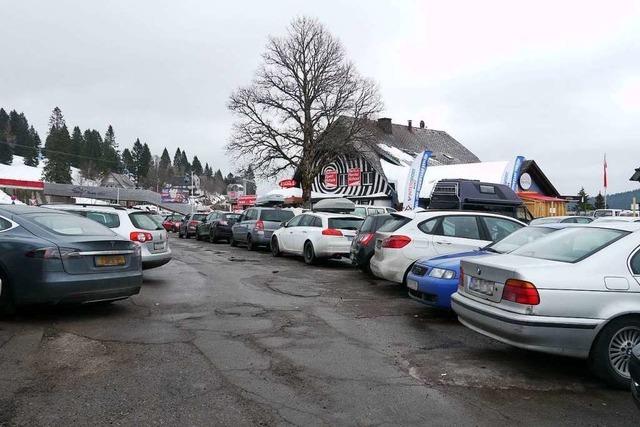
{"x": 18, "y": 170}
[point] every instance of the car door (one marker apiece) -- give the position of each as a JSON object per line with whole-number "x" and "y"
{"x": 458, "y": 233}
{"x": 302, "y": 232}
{"x": 285, "y": 237}
{"x": 236, "y": 230}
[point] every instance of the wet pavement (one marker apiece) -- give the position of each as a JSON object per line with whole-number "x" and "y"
{"x": 224, "y": 336}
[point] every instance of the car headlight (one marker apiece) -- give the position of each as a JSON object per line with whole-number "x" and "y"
{"x": 441, "y": 273}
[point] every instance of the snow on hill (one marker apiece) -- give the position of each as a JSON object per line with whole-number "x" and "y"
{"x": 18, "y": 170}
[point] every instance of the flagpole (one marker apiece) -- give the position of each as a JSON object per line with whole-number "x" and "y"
{"x": 605, "y": 180}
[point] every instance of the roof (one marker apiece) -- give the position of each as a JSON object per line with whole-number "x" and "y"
{"x": 122, "y": 180}
{"x": 22, "y": 209}
{"x": 635, "y": 176}
{"x": 532, "y": 195}
{"x": 532, "y": 168}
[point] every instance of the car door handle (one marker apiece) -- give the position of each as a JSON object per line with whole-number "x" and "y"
{"x": 444, "y": 242}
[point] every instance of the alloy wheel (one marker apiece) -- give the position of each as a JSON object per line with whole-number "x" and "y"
{"x": 620, "y": 348}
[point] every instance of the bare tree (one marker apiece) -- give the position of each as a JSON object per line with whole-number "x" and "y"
{"x": 306, "y": 106}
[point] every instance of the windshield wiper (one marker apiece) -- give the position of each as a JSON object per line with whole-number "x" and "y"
{"x": 490, "y": 249}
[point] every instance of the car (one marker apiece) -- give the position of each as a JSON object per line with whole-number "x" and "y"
{"x": 171, "y": 223}
{"x": 363, "y": 244}
{"x": 256, "y": 226}
{"x": 432, "y": 281}
{"x": 610, "y": 219}
{"x": 575, "y": 292}
{"x": 599, "y": 213}
{"x": 53, "y": 257}
{"x": 134, "y": 224}
{"x": 364, "y": 211}
{"x": 411, "y": 235}
{"x": 316, "y": 236}
{"x": 566, "y": 219}
{"x": 634, "y": 373}
{"x": 217, "y": 226}
{"x": 189, "y": 224}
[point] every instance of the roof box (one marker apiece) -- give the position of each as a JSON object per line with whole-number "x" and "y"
{"x": 335, "y": 206}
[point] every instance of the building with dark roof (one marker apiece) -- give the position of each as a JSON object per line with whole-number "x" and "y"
{"x": 117, "y": 180}
{"x": 635, "y": 176}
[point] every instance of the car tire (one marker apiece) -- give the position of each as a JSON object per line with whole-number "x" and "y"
{"x": 7, "y": 306}
{"x": 309, "y": 254}
{"x": 232, "y": 241}
{"x": 610, "y": 353}
{"x": 275, "y": 248}
{"x": 250, "y": 245}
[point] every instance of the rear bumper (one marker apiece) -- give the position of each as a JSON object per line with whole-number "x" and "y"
{"x": 328, "y": 248}
{"x": 390, "y": 268}
{"x": 360, "y": 255}
{"x": 563, "y": 336}
{"x": 261, "y": 238}
{"x": 151, "y": 260}
{"x": 222, "y": 232}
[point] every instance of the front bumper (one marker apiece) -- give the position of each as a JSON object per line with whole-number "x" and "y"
{"x": 555, "y": 335}
{"x": 431, "y": 291}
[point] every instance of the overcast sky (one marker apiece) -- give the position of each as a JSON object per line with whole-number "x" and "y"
{"x": 555, "y": 81}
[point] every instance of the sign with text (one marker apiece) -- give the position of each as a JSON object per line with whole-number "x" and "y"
{"x": 353, "y": 177}
{"x": 330, "y": 178}
{"x": 287, "y": 183}
{"x": 174, "y": 195}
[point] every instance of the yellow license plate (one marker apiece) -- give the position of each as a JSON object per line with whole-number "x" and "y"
{"x": 110, "y": 260}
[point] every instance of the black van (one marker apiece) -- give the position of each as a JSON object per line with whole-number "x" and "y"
{"x": 471, "y": 195}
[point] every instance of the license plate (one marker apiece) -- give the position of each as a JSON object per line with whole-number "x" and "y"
{"x": 158, "y": 246}
{"x": 110, "y": 260}
{"x": 412, "y": 284}
{"x": 349, "y": 238}
{"x": 481, "y": 286}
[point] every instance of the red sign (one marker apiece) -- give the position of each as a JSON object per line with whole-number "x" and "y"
{"x": 23, "y": 184}
{"x": 246, "y": 200}
{"x": 330, "y": 178}
{"x": 287, "y": 183}
{"x": 353, "y": 177}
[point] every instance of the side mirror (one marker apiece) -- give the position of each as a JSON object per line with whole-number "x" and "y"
{"x": 283, "y": 224}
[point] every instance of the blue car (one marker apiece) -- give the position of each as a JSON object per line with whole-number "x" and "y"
{"x": 432, "y": 281}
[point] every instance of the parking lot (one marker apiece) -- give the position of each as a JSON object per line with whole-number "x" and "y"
{"x": 222, "y": 335}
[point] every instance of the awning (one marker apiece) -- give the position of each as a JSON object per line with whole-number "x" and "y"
{"x": 532, "y": 195}
{"x": 21, "y": 184}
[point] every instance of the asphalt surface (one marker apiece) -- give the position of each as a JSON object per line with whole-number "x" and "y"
{"x": 224, "y": 336}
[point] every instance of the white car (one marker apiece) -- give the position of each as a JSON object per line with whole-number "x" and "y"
{"x": 316, "y": 235}
{"x": 136, "y": 225}
{"x": 364, "y": 211}
{"x": 412, "y": 235}
{"x": 610, "y": 219}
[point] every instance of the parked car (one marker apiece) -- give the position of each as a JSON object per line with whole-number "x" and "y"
{"x": 133, "y": 224}
{"x": 598, "y": 213}
{"x": 432, "y": 281}
{"x": 172, "y": 222}
{"x": 566, "y": 219}
{"x": 256, "y": 226}
{"x": 217, "y": 226}
{"x": 411, "y": 235}
{"x": 634, "y": 373}
{"x": 575, "y": 292}
{"x": 364, "y": 243}
{"x": 365, "y": 211}
{"x": 316, "y": 236}
{"x": 189, "y": 225}
{"x": 50, "y": 256}
{"x": 610, "y": 219}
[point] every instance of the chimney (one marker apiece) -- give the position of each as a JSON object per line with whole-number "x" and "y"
{"x": 385, "y": 124}
{"x": 421, "y": 124}
{"x": 409, "y": 125}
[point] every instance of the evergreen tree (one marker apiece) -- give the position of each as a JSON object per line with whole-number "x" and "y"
{"x": 207, "y": 171}
{"x": 147, "y": 160}
{"x": 219, "y": 184}
{"x": 6, "y": 139}
{"x": 177, "y": 161}
{"x": 57, "y": 146}
{"x": 91, "y": 164}
{"x": 20, "y": 130}
{"x": 599, "y": 201}
{"x": 184, "y": 163}
{"x": 165, "y": 172}
{"x": 77, "y": 148}
{"x": 165, "y": 160}
{"x": 196, "y": 166}
{"x": 127, "y": 160}
{"x": 110, "y": 160}
{"x": 32, "y": 155}
{"x": 583, "y": 201}
{"x": 249, "y": 181}
{"x": 141, "y": 160}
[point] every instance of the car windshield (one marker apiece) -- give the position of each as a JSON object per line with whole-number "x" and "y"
{"x": 549, "y": 220}
{"x": 571, "y": 244}
{"x": 394, "y": 223}
{"x": 367, "y": 225}
{"x": 71, "y": 225}
{"x": 345, "y": 223}
{"x": 144, "y": 221}
{"x": 198, "y": 217}
{"x": 519, "y": 238}
{"x": 276, "y": 215}
{"x": 231, "y": 217}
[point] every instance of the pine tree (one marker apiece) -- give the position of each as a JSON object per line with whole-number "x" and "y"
{"x": 177, "y": 161}
{"x": 129, "y": 164}
{"x": 250, "y": 181}
{"x": 599, "y": 201}
{"x": 165, "y": 160}
{"x": 141, "y": 161}
{"x": 184, "y": 163}
{"x": 196, "y": 166}
{"x": 77, "y": 148}
{"x": 32, "y": 155}
{"x": 219, "y": 184}
{"x": 110, "y": 160}
{"x": 583, "y": 203}
{"x": 20, "y": 130}
{"x": 6, "y": 139}
{"x": 207, "y": 171}
{"x": 57, "y": 145}
{"x": 147, "y": 160}
{"x": 91, "y": 164}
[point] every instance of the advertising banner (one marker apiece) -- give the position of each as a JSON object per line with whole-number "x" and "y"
{"x": 414, "y": 180}
{"x": 330, "y": 178}
{"x": 174, "y": 195}
{"x": 353, "y": 177}
{"x": 512, "y": 173}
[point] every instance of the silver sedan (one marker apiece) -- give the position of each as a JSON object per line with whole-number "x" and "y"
{"x": 575, "y": 293}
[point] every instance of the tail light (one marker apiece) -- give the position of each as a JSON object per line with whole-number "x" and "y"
{"x": 331, "y": 232}
{"x": 52, "y": 253}
{"x": 259, "y": 225}
{"x": 140, "y": 236}
{"x": 194, "y": 223}
{"x": 365, "y": 238}
{"x": 520, "y": 292}
{"x": 461, "y": 281}
{"x": 396, "y": 242}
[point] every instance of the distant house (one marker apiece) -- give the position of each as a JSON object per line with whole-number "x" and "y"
{"x": 635, "y": 176}
{"x": 538, "y": 193}
{"x": 371, "y": 176}
{"x": 185, "y": 183}
{"x": 117, "y": 180}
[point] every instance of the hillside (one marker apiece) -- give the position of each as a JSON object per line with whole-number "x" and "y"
{"x": 622, "y": 200}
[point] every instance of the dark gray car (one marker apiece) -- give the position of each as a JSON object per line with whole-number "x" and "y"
{"x": 256, "y": 226}
{"x": 49, "y": 256}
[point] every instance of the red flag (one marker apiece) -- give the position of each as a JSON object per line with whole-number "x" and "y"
{"x": 605, "y": 171}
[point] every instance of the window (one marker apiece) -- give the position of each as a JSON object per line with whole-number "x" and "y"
{"x": 295, "y": 221}
{"x": 500, "y": 228}
{"x": 275, "y": 215}
{"x": 367, "y": 178}
{"x": 345, "y": 223}
{"x": 520, "y": 238}
{"x": 107, "y": 219}
{"x": 317, "y": 222}
{"x": 71, "y": 225}
{"x": 465, "y": 227}
{"x": 230, "y": 217}
{"x": 360, "y": 211}
{"x": 144, "y": 221}
{"x": 583, "y": 220}
{"x": 198, "y": 217}
{"x": 342, "y": 180}
{"x": 367, "y": 225}
{"x": 5, "y": 224}
{"x": 306, "y": 221}
{"x": 635, "y": 263}
{"x": 428, "y": 226}
{"x": 250, "y": 215}
{"x": 395, "y": 223}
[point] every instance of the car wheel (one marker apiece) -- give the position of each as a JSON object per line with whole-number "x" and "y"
{"x": 7, "y": 306}
{"x": 611, "y": 351}
{"x": 232, "y": 241}
{"x": 250, "y": 245}
{"x": 309, "y": 254}
{"x": 275, "y": 249}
